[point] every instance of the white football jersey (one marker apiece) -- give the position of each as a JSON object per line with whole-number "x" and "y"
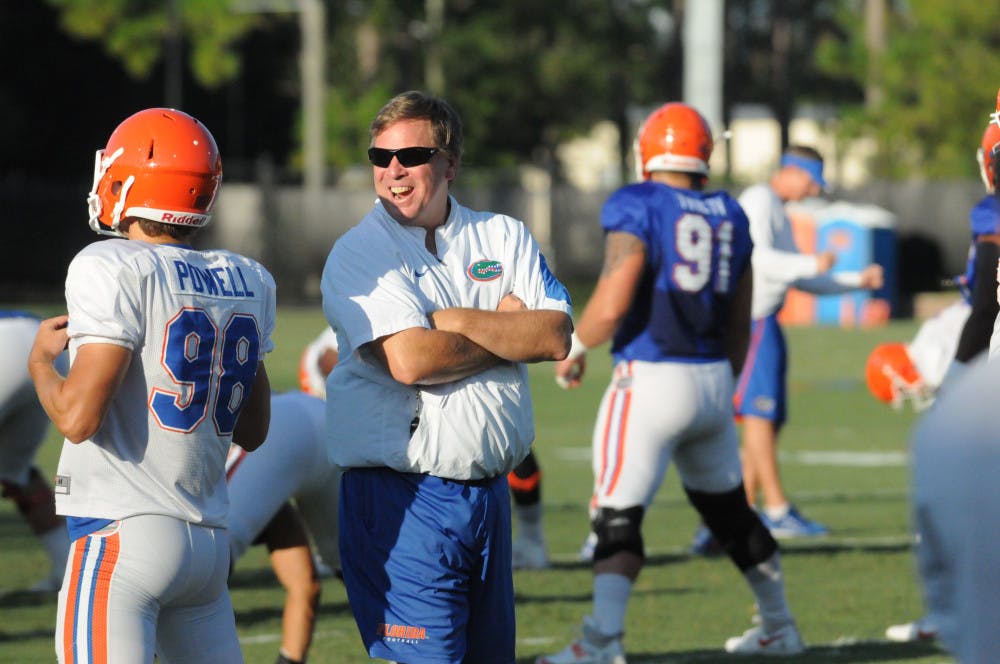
{"x": 291, "y": 464}
{"x": 197, "y": 323}
{"x": 23, "y": 422}
{"x": 933, "y": 348}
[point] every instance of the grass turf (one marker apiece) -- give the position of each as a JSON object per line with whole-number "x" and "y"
{"x": 844, "y": 588}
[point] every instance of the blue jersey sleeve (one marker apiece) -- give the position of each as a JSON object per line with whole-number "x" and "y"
{"x": 984, "y": 217}
{"x": 627, "y": 211}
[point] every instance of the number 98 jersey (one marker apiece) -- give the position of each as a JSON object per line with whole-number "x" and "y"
{"x": 697, "y": 248}
{"x": 197, "y": 323}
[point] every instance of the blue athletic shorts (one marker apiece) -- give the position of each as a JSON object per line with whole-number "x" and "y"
{"x": 760, "y": 391}
{"x": 427, "y": 565}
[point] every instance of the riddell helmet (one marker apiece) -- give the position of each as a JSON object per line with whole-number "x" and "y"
{"x": 159, "y": 164}
{"x": 675, "y": 137}
{"x": 893, "y": 378}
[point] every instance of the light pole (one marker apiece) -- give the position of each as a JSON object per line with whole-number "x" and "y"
{"x": 312, "y": 59}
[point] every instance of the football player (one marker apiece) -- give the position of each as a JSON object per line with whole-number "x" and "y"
{"x": 23, "y": 427}
{"x": 981, "y": 282}
{"x": 166, "y": 347}
{"x": 284, "y": 495}
{"x": 956, "y": 499}
{"x": 674, "y": 299}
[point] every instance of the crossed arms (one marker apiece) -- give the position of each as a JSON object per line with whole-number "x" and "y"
{"x": 463, "y": 342}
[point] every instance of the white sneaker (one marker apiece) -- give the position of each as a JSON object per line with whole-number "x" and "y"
{"x": 587, "y": 548}
{"x": 591, "y": 648}
{"x": 918, "y": 630}
{"x": 529, "y": 554}
{"x": 785, "y": 640}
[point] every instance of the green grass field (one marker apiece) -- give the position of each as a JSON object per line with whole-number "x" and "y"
{"x": 843, "y": 460}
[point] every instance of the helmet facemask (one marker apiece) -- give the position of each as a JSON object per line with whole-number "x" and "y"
{"x": 94, "y": 205}
{"x": 903, "y": 390}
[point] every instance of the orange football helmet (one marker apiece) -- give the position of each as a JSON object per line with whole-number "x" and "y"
{"x": 314, "y": 363}
{"x": 893, "y": 378}
{"x": 159, "y": 164}
{"x": 989, "y": 150}
{"x": 675, "y": 137}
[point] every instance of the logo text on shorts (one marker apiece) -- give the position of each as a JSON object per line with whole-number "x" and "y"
{"x": 401, "y": 633}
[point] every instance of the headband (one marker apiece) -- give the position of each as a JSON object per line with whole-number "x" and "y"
{"x": 814, "y": 167}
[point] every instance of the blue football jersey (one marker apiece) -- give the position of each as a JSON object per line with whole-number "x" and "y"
{"x": 697, "y": 248}
{"x": 984, "y": 219}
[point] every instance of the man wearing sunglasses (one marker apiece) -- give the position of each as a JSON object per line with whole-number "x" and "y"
{"x": 437, "y": 309}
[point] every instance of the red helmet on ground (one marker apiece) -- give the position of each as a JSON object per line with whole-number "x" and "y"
{"x": 159, "y": 164}
{"x": 893, "y": 378}
{"x": 675, "y": 137}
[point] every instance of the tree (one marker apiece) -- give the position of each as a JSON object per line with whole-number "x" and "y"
{"x": 523, "y": 74}
{"x": 137, "y": 32}
{"x": 937, "y": 83}
{"x": 770, "y": 56}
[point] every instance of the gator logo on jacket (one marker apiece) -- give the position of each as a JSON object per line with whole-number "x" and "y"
{"x": 485, "y": 270}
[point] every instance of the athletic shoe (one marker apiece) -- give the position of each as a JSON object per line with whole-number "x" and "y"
{"x": 529, "y": 554}
{"x": 785, "y": 640}
{"x": 704, "y": 544}
{"x": 918, "y": 630}
{"x": 587, "y": 548}
{"x": 591, "y": 648}
{"x": 792, "y": 525}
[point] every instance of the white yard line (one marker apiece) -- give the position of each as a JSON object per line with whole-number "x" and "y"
{"x": 801, "y": 457}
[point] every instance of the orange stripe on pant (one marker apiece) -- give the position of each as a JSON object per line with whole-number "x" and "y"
{"x": 69, "y": 619}
{"x": 91, "y": 599}
{"x": 622, "y": 429}
{"x": 622, "y": 419}
{"x": 102, "y": 591}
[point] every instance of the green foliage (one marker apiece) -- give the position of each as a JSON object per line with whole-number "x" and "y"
{"x": 938, "y": 77}
{"x": 348, "y": 117}
{"x": 136, "y": 32}
{"x": 522, "y": 74}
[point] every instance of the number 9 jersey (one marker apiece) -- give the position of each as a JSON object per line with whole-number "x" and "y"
{"x": 697, "y": 248}
{"x": 197, "y": 323}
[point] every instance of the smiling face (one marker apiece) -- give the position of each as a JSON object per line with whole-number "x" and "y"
{"x": 415, "y": 195}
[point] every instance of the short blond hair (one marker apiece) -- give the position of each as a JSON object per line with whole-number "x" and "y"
{"x": 416, "y": 105}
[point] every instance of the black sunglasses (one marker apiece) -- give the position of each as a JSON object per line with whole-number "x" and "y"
{"x": 408, "y": 157}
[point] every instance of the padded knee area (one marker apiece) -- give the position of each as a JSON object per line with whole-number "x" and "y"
{"x": 526, "y": 481}
{"x": 735, "y": 525}
{"x": 618, "y": 530}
